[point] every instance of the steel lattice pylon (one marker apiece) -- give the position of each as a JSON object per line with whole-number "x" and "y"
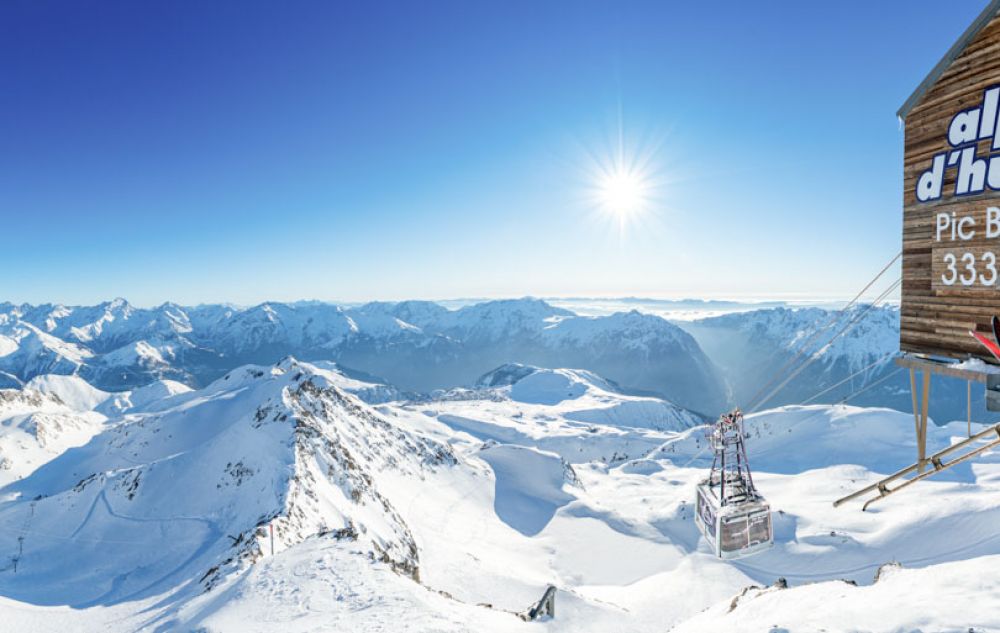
{"x": 731, "y": 513}
{"x": 730, "y": 467}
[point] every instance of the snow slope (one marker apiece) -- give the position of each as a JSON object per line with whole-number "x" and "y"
{"x": 956, "y": 596}
{"x": 73, "y": 391}
{"x": 573, "y": 413}
{"x": 584, "y": 396}
{"x": 262, "y": 448}
{"x": 454, "y": 514}
{"x": 37, "y": 425}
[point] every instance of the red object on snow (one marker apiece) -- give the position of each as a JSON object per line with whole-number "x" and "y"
{"x": 990, "y": 345}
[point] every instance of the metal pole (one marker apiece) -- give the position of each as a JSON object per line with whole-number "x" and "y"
{"x": 968, "y": 406}
{"x": 722, "y": 478}
{"x": 271, "y": 526}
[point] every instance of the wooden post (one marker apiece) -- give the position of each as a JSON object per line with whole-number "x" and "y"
{"x": 968, "y": 406}
{"x": 920, "y": 414}
{"x": 922, "y": 431}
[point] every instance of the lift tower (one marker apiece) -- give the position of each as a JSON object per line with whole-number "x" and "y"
{"x": 731, "y": 513}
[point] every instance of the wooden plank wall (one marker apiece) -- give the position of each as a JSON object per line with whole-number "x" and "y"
{"x": 935, "y": 319}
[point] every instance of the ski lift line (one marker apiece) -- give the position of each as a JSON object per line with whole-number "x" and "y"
{"x": 833, "y": 319}
{"x": 878, "y": 361}
{"x": 850, "y": 397}
{"x": 808, "y": 362}
{"x": 804, "y": 347}
{"x": 843, "y": 400}
{"x": 814, "y": 356}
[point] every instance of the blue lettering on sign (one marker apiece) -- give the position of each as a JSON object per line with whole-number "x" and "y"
{"x": 973, "y": 174}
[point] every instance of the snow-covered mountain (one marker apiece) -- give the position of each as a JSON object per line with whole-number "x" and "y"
{"x": 638, "y": 351}
{"x": 573, "y": 413}
{"x": 454, "y": 513}
{"x": 37, "y": 424}
{"x": 53, "y": 413}
{"x": 757, "y": 350}
{"x": 582, "y": 395}
{"x": 193, "y": 490}
{"x": 27, "y": 351}
{"x": 413, "y": 345}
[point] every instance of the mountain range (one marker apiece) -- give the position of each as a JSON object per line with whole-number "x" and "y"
{"x": 416, "y": 346}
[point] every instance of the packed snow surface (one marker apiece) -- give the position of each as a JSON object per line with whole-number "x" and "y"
{"x": 454, "y": 513}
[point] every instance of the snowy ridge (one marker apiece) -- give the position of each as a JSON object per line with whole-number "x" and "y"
{"x": 117, "y": 346}
{"x": 429, "y": 511}
{"x": 756, "y": 351}
{"x": 584, "y": 396}
{"x": 873, "y": 334}
{"x": 263, "y": 448}
{"x": 37, "y": 424}
{"x": 31, "y": 352}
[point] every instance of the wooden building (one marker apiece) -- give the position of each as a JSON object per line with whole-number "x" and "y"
{"x": 951, "y": 198}
{"x": 951, "y": 239}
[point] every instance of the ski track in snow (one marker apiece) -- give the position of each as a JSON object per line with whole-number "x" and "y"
{"x": 533, "y": 496}
{"x": 212, "y": 536}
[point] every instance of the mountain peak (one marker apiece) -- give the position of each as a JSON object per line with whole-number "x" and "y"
{"x": 118, "y": 304}
{"x": 283, "y": 453}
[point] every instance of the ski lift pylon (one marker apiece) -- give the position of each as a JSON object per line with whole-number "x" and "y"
{"x": 730, "y": 512}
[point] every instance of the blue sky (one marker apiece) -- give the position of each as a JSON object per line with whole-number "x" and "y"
{"x": 235, "y": 151}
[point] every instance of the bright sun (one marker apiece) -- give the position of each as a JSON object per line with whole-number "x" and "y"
{"x": 623, "y": 183}
{"x": 623, "y": 192}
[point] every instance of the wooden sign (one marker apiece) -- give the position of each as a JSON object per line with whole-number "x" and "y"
{"x": 951, "y": 198}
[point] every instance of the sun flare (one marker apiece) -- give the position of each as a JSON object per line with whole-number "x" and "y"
{"x": 624, "y": 182}
{"x": 623, "y": 192}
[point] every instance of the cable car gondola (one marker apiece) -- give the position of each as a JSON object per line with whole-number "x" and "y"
{"x": 731, "y": 513}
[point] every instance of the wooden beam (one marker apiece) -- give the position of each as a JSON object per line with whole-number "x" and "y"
{"x": 882, "y": 486}
{"x": 939, "y": 466}
{"x": 943, "y": 368}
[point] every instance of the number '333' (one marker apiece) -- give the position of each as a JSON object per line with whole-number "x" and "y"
{"x": 963, "y": 269}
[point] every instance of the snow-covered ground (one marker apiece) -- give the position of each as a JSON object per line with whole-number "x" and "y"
{"x": 455, "y": 513}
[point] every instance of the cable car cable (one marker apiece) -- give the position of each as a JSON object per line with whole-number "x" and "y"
{"x": 878, "y": 361}
{"x": 850, "y": 325}
{"x": 833, "y": 319}
{"x": 843, "y": 400}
